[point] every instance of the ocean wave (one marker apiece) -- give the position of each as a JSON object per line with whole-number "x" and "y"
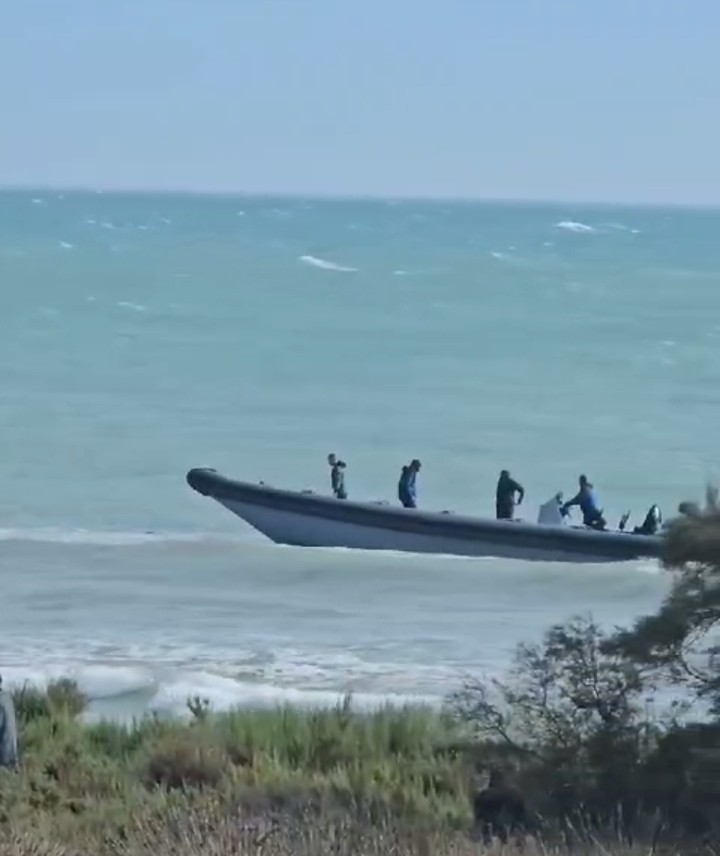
{"x": 106, "y": 538}
{"x": 324, "y": 264}
{"x": 64, "y": 245}
{"x": 136, "y": 307}
{"x": 621, "y": 227}
{"x": 98, "y": 682}
{"x": 167, "y": 691}
{"x": 574, "y": 226}
{"x": 227, "y": 693}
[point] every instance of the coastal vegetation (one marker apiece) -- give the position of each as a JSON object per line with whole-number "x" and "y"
{"x": 611, "y": 741}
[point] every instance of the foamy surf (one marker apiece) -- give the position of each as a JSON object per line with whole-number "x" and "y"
{"x": 574, "y": 226}
{"x": 141, "y": 690}
{"x": 110, "y": 538}
{"x": 226, "y": 694}
{"x": 324, "y": 264}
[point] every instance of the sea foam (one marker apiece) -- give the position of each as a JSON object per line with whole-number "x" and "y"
{"x": 573, "y": 226}
{"x": 107, "y": 538}
{"x": 167, "y": 691}
{"x": 324, "y": 264}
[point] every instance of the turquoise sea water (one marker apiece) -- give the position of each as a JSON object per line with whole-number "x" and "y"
{"x": 144, "y": 335}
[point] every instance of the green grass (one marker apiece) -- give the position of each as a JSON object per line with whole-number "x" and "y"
{"x": 279, "y": 782}
{"x": 89, "y": 780}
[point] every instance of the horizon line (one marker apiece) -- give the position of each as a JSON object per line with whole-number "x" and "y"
{"x": 327, "y": 196}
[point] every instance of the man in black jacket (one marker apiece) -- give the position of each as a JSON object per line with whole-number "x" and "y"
{"x": 507, "y": 487}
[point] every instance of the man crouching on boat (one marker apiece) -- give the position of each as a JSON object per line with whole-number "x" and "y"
{"x": 589, "y": 505}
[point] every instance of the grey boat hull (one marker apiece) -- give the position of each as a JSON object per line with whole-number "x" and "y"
{"x": 312, "y": 520}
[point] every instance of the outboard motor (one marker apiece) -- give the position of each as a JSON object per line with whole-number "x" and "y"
{"x": 652, "y": 523}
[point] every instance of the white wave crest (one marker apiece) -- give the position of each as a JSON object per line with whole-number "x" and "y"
{"x": 621, "y": 227}
{"x": 324, "y": 264}
{"x": 64, "y": 245}
{"x": 168, "y": 690}
{"x": 101, "y": 681}
{"x": 574, "y": 226}
{"x": 109, "y": 538}
{"x": 226, "y": 693}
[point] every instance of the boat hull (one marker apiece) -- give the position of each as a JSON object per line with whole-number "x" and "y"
{"x": 310, "y": 520}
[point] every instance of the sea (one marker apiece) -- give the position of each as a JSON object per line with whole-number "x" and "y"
{"x": 143, "y": 335}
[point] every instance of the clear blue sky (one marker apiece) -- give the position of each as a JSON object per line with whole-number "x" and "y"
{"x": 550, "y": 99}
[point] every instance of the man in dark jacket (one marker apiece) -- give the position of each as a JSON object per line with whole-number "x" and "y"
{"x": 505, "y": 492}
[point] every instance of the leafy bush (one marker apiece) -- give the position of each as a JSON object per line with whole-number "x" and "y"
{"x": 571, "y": 717}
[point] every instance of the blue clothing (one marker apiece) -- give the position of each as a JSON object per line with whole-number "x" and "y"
{"x": 406, "y": 487}
{"x": 337, "y": 480}
{"x": 8, "y": 731}
{"x": 587, "y": 499}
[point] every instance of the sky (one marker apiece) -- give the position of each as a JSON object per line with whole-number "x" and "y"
{"x": 517, "y": 99}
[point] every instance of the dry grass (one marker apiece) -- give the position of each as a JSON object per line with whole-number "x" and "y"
{"x": 273, "y": 782}
{"x": 82, "y": 784}
{"x": 207, "y": 832}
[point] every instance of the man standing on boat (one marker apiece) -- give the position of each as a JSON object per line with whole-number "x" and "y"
{"x": 337, "y": 477}
{"x": 406, "y": 486}
{"x": 505, "y": 492}
{"x": 589, "y": 505}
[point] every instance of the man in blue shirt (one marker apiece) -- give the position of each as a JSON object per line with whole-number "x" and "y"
{"x": 587, "y": 500}
{"x": 406, "y": 486}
